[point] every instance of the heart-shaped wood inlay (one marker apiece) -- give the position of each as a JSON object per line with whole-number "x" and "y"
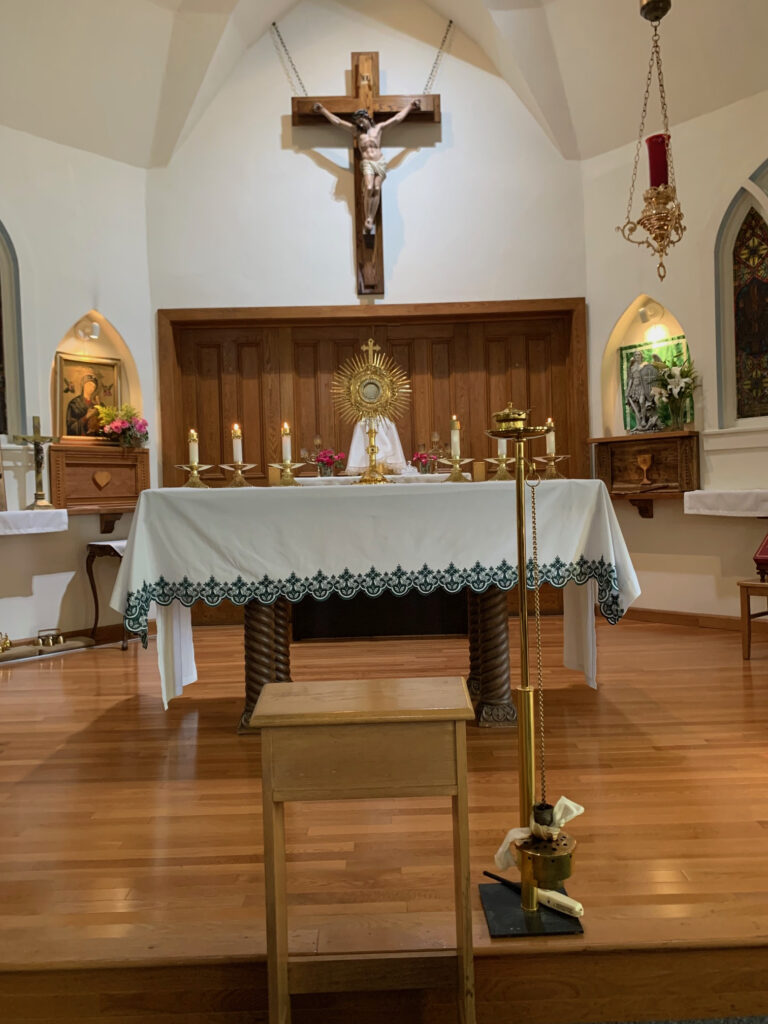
{"x": 101, "y": 478}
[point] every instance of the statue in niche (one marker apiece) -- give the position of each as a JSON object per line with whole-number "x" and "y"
{"x": 641, "y": 394}
{"x": 372, "y": 162}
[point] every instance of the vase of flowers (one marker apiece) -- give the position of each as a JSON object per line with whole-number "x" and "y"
{"x": 328, "y": 460}
{"x": 123, "y": 425}
{"x": 674, "y": 389}
{"x": 424, "y": 462}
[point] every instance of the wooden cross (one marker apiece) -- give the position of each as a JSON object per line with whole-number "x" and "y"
{"x": 38, "y": 440}
{"x": 365, "y": 96}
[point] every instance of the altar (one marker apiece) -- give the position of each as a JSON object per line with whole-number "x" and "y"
{"x": 265, "y": 548}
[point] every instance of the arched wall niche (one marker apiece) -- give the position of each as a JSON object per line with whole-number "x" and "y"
{"x": 638, "y": 323}
{"x": 11, "y": 335}
{"x": 109, "y": 344}
{"x": 744, "y": 200}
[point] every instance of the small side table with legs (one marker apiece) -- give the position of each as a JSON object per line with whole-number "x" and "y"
{"x": 361, "y": 739}
{"x": 99, "y": 549}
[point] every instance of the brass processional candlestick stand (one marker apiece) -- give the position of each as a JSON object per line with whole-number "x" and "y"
{"x": 238, "y": 469}
{"x": 543, "y": 863}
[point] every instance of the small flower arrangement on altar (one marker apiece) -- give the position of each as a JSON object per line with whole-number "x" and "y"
{"x": 673, "y": 388}
{"x": 327, "y": 460}
{"x": 424, "y": 462}
{"x": 123, "y": 425}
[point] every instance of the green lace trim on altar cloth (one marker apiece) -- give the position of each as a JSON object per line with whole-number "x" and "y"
{"x": 373, "y": 583}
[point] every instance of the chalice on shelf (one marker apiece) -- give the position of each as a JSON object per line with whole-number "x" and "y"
{"x": 644, "y": 462}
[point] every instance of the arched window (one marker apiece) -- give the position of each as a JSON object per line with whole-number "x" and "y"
{"x": 12, "y": 414}
{"x": 750, "y": 315}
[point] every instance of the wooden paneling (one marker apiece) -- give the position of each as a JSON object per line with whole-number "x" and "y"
{"x": 260, "y": 367}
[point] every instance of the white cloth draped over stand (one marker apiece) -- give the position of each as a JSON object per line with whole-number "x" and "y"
{"x": 390, "y": 454}
{"x": 265, "y": 542}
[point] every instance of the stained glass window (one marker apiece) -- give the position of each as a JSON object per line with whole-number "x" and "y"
{"x": 750, "y": 298}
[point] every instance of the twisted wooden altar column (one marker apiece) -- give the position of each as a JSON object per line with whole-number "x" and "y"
{"x": 496, "y": 706}
{"x": 267, "y": 641}
{"x": 474, "y": 679}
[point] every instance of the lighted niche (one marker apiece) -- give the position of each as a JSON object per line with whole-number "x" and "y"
{"x": 98, "y": 351}
{"x": 646, "y": 325}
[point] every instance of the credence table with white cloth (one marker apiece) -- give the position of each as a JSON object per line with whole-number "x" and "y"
{"x": 265, "y": 548}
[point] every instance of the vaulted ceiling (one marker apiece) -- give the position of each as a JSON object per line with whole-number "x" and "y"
{"x": 126, "y": 78}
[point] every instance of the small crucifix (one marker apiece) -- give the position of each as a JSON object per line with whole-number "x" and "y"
{"x": 364, "y": 114}
{"x": 38, "y": 440}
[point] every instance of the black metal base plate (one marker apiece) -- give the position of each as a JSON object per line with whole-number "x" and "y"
{"x": 507, "y": 919}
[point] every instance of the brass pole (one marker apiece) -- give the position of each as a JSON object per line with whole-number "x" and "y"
{"x": 525, "y": 694}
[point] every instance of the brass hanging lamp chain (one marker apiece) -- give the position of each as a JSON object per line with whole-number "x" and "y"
{"x": 537, "y": 618}
{"x": 294, "y": 78}
{"x": 654, "y": 61}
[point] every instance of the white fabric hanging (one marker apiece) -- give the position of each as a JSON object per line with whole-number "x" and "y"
{"x": 390, "y": 455}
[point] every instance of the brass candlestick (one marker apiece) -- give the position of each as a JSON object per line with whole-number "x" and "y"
{"x": 286, "y": 467}
{"x": 551, "y": 460}
{"x": 542, "y": 863}
{"x": 194, "y": 469}
{"x": 372, "y": 474}
{"x": 238, "y": 480}
{"x": 456, "y": 475}
{"x": 501, "y": 462}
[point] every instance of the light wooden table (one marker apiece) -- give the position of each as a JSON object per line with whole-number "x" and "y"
{"x": 749, "y": 589}
{"x": 360, "y": 739}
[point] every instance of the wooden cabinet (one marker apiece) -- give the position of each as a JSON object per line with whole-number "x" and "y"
{"x": 644, "y": 467}
{"x": 98, "y": 478}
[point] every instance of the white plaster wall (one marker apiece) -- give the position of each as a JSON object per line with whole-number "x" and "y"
{"x": 78, "y": 224}
{"x": 253, "y": 212}
{"x": 679, "y": 558}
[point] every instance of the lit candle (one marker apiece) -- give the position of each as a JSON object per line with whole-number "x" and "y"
{"x": 194, "y": 451}
{"x": 286, "y": 438}
{"x": 237, "y": 443}
{"x": 657, "y": 159}
{"x": 455, "y": 438}
{"x": 502, "y": 450}
{"x": 550, "y": 435}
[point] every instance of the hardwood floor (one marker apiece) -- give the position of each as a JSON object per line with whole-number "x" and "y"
{"x": 131, "y": 843}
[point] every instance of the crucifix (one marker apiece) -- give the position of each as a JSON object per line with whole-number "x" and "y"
{"x": 38, "y": 440}
{"x": 364, "y": 114}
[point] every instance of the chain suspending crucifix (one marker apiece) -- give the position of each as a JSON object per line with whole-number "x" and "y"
{"x": 364, "y": 114}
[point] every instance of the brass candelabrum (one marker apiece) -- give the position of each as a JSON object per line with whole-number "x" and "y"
{"x": 194, "y": 469}
{"x": 543, "y": 863}
{"x": 286, "y": 467}
{"x": 238, "y": 469}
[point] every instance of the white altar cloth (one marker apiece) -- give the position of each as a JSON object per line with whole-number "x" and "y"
{"x": 33, "y": 520}
{"x": 395, "y": 478}
{"x": 748, "y": 504}
{"x": 263, "y": 543}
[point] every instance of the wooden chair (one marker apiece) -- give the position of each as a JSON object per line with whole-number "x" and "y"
{"x": 362, "y": 739}
{"x": 750, "y": 589}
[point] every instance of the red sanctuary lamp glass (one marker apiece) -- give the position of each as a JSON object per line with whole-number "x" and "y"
{"x": 661, "y": 219}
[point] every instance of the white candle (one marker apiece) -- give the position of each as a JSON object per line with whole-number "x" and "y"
{"x": 286, "y": 439}
{"x": 550, "y": 435}
{"x": 194, "y": 451}
{"x": 502, "y": 449}
{"x": 237, "y": 443}
{"x": 455, "y": 438}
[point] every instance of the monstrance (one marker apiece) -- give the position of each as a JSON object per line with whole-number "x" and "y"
{"x": 370, "y": 390}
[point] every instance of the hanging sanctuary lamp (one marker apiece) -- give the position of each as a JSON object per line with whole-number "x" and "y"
{"x": 661, "y": 219}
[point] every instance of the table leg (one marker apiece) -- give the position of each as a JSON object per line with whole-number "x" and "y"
{"x": 746, "y": 624}
{"x": 274, "y": 879}
{"x": 259, "y": 643}
{"x": 89, "y": 570}
{"x": 474, "y": 679}
{"x": 461, "y": 885}
{"x": 496, "y": 707}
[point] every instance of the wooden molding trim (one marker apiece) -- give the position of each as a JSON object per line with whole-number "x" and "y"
{"x": 691, "y": 619}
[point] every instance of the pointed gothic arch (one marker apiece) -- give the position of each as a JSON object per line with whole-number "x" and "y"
{"x": 12, "y": 402}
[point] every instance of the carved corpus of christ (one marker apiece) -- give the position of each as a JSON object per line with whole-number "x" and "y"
{"x": 364, "y": 115}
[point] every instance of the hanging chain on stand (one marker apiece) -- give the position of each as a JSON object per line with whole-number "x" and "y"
{"x": 654, "y": 61}
{"x": 537, "y": 615}
{"x": 438, "y": 58}
{"x": 292, "y": 71}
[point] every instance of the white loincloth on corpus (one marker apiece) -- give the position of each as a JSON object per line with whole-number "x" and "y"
{"x": 390, "y": 457}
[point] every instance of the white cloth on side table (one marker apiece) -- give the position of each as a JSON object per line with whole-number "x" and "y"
{"x": 390, "y": 454}
{"x": 726, "y": 503}
{"x": 33, "y": 520}
{"x": 261, "y": 543}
